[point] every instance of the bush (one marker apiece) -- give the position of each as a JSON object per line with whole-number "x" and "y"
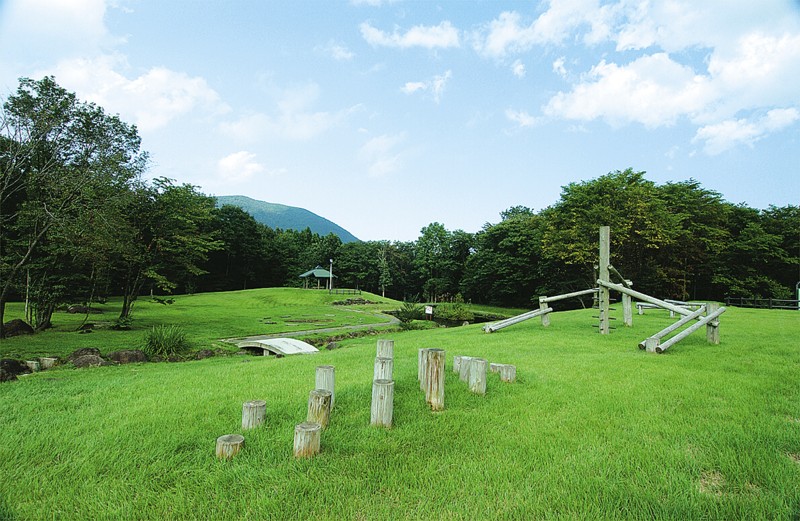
{"x": 410, "y": 311}
{"x": 165, "y": 341}
{"x": 456, "y": 311}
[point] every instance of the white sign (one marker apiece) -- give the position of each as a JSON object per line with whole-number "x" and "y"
{"x": 429, "y": 310}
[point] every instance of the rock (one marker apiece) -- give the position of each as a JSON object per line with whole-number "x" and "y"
{"x": 17, "y": 327}
{"x": 10, "y": 368}
{"x": 127, "y": 356}
{"x": 88, "y": 361}
{"x": 83, "y": 352}
{"x": 332, "y": 345}
{"x": 83, "y": 310}
{"x": 203, "y": 353}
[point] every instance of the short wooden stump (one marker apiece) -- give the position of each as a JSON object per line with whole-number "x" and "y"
{"x": 229, "y": 445}
{"x": 307, "y": 439}
{"x": 253, "y": 413}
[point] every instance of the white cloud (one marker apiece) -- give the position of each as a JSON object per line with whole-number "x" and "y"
{"x": 652, "y": 90}
{"x": 728, "y": 134}
{"x": 558, "y": 67}
{"x": 293, "y": 118}
{"x": 441, "y": 36}
{"x": 337, "y": 51}
{"x": 518, "y": 69}
{"x": 381, "y": 156}
{"x": 239, "y": 167}
{"x": 151, "y": 100}
{"x": 435, "y": 85}
{"x": 522, "y": 118}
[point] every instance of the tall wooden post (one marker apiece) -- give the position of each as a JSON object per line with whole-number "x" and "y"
{"x": 434, "y": 379}
{"x": 604, "y": 296}
{"x": 382, "y": 408}
{"x": 477, "y": 375}
{"x": 627, "y": 310}
{"x": 319, "y": 407}
{"x": 545, "y": 316}
{"x": 712, "y": 328}
{"x": 385, "y": 349}
{"x": 383, "y": 369}
{"x": 325, "y": 378}
{"x": 422, "y": 364}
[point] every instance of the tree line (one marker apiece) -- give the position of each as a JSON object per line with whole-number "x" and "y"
{"x": 79, "y": 223}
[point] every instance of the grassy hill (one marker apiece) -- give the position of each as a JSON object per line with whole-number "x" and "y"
{"x": 593, "y": 428}
{"x": 286, "y": 217}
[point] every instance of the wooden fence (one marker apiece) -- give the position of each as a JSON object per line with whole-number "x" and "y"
{"x": 764, "y": 303}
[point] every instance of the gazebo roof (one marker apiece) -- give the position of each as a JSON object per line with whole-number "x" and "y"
{"x": 319, "y": 272}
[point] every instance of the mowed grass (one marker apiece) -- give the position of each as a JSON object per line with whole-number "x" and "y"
{"x": 593, "y": 428}
{"x": 206, "y": 317}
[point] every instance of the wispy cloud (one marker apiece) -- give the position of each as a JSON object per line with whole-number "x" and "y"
{"x": 518, "y": 69}
{"x": 436, "y": 85}
{"x": 522, "y": 118}
{"x": 719, "y": 137}
{"x": 381, "y": 156}
{"x": 440, "y": 36}
{"x": 238, "y": 167}
{"x": 337, "y": 51}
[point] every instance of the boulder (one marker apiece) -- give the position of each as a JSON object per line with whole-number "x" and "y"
{"x": 127, "y": 356}
{"x": 17, "y": 327}
{"x": 10, "y": 368}
{"x": 332, "y": 345}
{"x": 83, "y": 352}
{"x": 83, "y": 309}
{"x": 88, "y": 361}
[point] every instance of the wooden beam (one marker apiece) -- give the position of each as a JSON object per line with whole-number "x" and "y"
{"x": 646, "y": 298}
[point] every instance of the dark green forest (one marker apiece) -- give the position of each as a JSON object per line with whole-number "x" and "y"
{"x": 79, "y": 223}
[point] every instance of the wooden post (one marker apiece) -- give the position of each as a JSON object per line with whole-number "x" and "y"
{"x": 545, "y": 316}
{"x": 382, "y": 408}
{"x": 229, "y": 445}
{"x": 253, "y": 413}
{"x": 306, "y": 439}
{"x": 434, "y": 379}
{"x": 456, "y": 364}
{"x": 383, "y": 369}
{"x": 651, "y": 344}
{"x": 495, "y": 368}
{"x": 47, "y": 362}
{"x": 604, "y": 296}
{"x": 422, "y": 360}
{"x": 319, "y": 407}
{"x": 325, "y": 378}
{"x": 385, "y": 349}
{"x": 463, "y": 372}
{"x": 508, "y": 373}
{"x": 477, "y": 375}
{"x": 627, "y": 310}
{"x": 712, "y": 328}
{"x": 33, "y": 365}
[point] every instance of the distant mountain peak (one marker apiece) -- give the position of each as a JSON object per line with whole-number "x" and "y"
{"x": 286, "y": 217}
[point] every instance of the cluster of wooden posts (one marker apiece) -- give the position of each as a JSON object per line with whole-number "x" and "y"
{"x": 42, "y": 364}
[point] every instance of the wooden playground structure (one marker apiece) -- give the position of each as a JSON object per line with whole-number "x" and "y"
{"x": 693, "y": 315}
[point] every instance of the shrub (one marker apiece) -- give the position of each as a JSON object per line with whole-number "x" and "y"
{"x": 165, "y": 341}
{"x": 410, "y": 311}
{"x": 456, "y": 311}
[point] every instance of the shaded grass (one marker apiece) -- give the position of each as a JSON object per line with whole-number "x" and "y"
{"x": 593, "y": 428}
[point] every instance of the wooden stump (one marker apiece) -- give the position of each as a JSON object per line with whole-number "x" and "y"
{"x": 47, "y": 362}
{"x": 385, "y": 349}
{"x": 495, "y": 368}
{"x": 319, "y": 407}
{"x": 253, "y": 413}
{"x": 545, "y": 316}
{"x": 325, "y": 378}
{"x": 33, "y": 365}
{"x": 457, "y": 364}
{"x": 306, "y": 439}
{"x": 627, "y": 310}
{"x": 712, "y": 328}
{"x": 477, "y": 375}
{"x": 229, "y": 445}
{"x": 508, "y": 373}
{"x": 383, "y": 369}
{"x": 463, "y": 373}
{"x": 434, "y": 379}
{"x": 422, "y": 362}
{"x": 382, "y": 408}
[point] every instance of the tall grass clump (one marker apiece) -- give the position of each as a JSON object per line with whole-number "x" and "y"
{"x": 165, "y": 341}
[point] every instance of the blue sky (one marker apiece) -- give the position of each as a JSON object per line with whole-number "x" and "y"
{"x": 385, "y": 116}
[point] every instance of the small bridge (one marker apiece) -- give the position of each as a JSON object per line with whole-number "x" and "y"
{"x": 277, "y": 346}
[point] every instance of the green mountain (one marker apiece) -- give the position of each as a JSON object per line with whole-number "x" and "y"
{"x": 286, "y": 217}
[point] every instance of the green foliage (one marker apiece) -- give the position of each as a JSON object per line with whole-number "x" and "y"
{"x": 410, "y": 310}
{"x": 165, "y": 341}
{"x": 455, "y": 311}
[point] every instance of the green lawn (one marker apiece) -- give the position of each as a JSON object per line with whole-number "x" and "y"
{"x": 593, "y": 428}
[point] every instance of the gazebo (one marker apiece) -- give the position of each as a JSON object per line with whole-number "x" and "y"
{"x": 318, "y": 273}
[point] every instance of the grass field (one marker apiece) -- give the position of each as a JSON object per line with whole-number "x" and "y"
{"x": 593, "y": 428}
